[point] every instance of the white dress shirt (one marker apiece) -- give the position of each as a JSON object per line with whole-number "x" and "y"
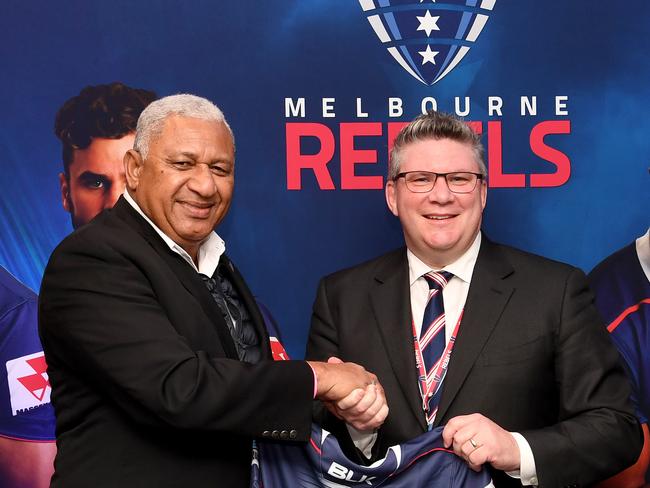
{"x": 210, "y": 250}
{"x": 454, "y": 294}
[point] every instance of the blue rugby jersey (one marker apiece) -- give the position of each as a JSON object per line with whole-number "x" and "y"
{"x": 418, "y": 463}
{"x": 623, "y": 298}
{"x": 25, "y": 409}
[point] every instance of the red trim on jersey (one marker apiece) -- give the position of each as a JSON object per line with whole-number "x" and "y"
{"x": 615, "y": 323}
{"x": 313, "y": 444}
{"x": 429, "y": 452}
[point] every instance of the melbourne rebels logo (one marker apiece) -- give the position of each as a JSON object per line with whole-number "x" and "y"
{"x": 428, "y": 38}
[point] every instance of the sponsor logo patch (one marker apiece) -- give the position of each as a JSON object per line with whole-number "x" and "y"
{"x": 29, "y": 386}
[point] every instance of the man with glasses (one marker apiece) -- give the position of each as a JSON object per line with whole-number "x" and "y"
{"x": 510, "y": 355}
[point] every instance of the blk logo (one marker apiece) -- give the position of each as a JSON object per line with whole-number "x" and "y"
{"x": 428, "y": 38}
{"x": 341, "y": 472}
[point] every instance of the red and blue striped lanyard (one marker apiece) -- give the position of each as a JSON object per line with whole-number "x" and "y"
{"x": 428, "y": 390}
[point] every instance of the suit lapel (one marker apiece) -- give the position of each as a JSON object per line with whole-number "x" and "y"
{"x": 488, "y": 295}
{"x": 390, "y": 298}
{"x": 186, "y": 275}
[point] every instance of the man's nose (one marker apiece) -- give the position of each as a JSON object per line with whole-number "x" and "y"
{"x": 113, "y": 194}
{"x": 202, "y": 181}
{"x": 440, "y": 192}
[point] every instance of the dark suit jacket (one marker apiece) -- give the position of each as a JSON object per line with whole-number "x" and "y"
{"x": 531, "y": 354}
{"x": 147, "y": 388}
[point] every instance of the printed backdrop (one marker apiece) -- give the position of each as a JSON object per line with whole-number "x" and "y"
{"x": 315, "y": 89}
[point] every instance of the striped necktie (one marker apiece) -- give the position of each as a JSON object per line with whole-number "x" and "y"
{"x": 432, "y": 334}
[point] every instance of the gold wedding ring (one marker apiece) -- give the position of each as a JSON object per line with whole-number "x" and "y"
{"x": 473, "y": 443}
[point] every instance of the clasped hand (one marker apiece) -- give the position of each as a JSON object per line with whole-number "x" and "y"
{"x": 351, "y": 393}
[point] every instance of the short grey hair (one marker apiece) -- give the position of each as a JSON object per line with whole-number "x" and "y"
{"x": 152, "y": 119}
{"x": 435, "y": 125}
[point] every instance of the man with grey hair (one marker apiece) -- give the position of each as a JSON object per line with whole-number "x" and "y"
{"x": 513, "y": 366}
{"x": 159, "y": 361}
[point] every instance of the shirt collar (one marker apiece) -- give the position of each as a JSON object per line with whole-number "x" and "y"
{"x": 210, "y": 250}
{"x": 643, "y": 251}
{"x": 463, "y": 267}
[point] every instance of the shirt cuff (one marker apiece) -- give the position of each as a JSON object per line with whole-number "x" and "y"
{"x": 313, "y": 372}
{"x": 363, "y": 440}
{"x": 527, "y": 472}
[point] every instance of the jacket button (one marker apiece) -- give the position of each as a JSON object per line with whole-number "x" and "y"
{"x": 266, "y": 433}
{"x": 293, "y": 434}
{"x": 284, "y": 434}
{"x": 275, "y": 434}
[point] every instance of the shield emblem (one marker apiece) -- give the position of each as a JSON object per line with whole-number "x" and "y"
{"x": 428, "y": 38}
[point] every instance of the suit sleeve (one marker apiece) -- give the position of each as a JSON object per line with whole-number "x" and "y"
{"x": 321, "y": 345}
{"x": 323, "y": 337}
{"x": 597, "y": 435}
{"x": 101, "y": 321}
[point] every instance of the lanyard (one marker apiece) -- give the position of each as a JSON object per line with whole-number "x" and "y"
{"x": 428, "y": 389}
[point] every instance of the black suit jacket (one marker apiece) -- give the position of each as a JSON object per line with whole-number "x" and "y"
{"x": 147, "y": 387}
{"x": 531, "y": 354}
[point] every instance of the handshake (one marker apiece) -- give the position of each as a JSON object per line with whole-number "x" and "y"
{"x": 351, "y": 393}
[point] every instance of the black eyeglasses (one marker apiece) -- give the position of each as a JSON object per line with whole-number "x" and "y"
{"x": 424, "y": 181}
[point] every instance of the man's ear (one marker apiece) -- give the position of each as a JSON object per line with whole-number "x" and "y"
{"x": 391, "y": 200}
{"x": 132, "y": 168}
{"x": 483, "y": 190}
{"x": 65, "y": 192}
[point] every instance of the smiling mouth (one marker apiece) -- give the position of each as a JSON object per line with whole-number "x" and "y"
{"x": 439, "y": 217}
{"x": 198, "y": 204}
{"x": 198, "y": 209}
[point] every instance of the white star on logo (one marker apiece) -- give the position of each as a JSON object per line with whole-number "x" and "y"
{"x": 434, "y": 1}
{"x": 428, "y": 56}
{"x": 428, "y": 23}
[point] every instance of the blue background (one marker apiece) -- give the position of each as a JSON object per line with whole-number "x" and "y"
{"x": 249, "y": 56}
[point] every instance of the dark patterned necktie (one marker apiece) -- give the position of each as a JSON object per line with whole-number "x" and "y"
{"x": 432, "y": 334}
{"x": 236, "y": 316}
